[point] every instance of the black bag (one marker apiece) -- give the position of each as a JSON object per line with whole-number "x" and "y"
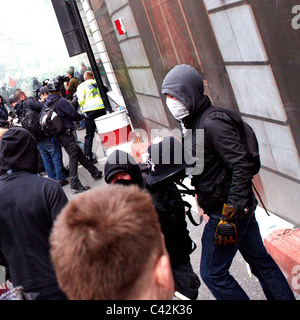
{"x": 245, "y": 132}
{"x": 51, "y": 122}
{"x": 30, "y": 121}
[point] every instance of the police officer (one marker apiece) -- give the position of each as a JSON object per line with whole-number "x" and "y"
{"x": 121, "y": 168}
{"x": 91, "y": 104}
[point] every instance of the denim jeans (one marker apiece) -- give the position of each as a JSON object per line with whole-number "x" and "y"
{"x": 51, "y": 154}
{"x": 216, "y": 261}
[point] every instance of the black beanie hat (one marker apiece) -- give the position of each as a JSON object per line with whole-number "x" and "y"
{"x": 121, "y": 161}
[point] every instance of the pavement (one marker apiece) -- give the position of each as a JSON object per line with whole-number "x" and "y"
{"x": 239, "y": 269}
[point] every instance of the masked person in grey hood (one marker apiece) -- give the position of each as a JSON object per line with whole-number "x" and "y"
{"x": 29, "y": 205}
{"x": 224, "y": 191}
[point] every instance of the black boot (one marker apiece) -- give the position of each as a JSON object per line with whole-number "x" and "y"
{"x": 80, "y": 189}
{"x": 98, "y": 175}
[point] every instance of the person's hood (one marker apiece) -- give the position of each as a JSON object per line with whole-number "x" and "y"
{"x": 184, "y": 83}
{"x": 18, "y": 151}
{"x": 51, "y": 99}
{"x": 19, "y": 107}
{"x": 120, "y": 161}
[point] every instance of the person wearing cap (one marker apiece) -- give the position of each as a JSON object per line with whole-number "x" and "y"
{"x": 50, "y": 150}
{"x": 224, "y": 191}
{"x": 71, "y": 85}
{"x": 66, "y": 137}
{"x": 12, "y": 100}
{"x": 121, "y": 168}
{"x": 29, "y": 205}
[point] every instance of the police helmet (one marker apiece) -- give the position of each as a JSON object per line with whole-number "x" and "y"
{"x": 54, "y": 85}
{"x": 166, "y": 158}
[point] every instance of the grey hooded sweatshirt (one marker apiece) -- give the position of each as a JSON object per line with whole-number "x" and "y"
{"x": 227, "y": 174}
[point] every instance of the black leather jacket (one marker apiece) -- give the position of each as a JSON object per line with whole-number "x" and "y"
{"x": 226, "y": 177}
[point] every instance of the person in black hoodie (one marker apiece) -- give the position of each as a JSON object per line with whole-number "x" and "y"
{"x": 121, "y": 168}
{"x": 224, "y": 192}
{"x": 3, "y": 114}
{"x": 29, "y": 205}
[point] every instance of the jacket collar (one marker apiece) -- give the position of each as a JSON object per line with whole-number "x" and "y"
{"x": 197, "y": 112}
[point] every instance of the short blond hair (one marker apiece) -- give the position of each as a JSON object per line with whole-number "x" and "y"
{"x": 104, "y": 242}
{"x": 88, "y": 75}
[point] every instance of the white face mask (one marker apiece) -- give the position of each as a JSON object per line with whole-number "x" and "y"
{"x": 178, "y": 110}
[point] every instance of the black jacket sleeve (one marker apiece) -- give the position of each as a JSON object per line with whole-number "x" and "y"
{"x": 57, "y": 199}
{"x": 225, "y": 140}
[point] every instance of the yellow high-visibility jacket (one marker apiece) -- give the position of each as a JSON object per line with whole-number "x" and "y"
{"x": 89, "y": 97}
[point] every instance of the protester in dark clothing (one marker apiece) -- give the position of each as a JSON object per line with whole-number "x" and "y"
{"x": 71, "y": 85}
{"x": 36, "y": 88}
{"x": 103, "y": 74}
{"x": 51, "y": 153}
{"x": 23, "y": 102}
{"x": 162, "y": 179}
{"x": 3, "y": 114}
{"x": 66, "y": 138}
{"x": 224, "y": 192}
{"x": 121, "y": 168}
{"x": 29, "y": 206}
{"x": 3, "y": 110}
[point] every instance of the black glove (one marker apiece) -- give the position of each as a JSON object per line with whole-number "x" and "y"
{"x": 226, "y": 230}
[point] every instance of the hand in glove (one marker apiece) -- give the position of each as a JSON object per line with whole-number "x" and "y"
{"x": 226, "y": 231}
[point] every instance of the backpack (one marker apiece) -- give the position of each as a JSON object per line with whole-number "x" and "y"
{"x": 30, "y": 121}
{"x": 50, "y": 121}
{"x": 245, "y": 132}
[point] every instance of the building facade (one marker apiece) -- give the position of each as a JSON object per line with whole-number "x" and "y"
{"x": 247, "y": 54}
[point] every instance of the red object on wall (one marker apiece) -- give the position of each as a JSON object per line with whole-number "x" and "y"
{"x": 120, "y": 26}
{"x": 116, "y": 137}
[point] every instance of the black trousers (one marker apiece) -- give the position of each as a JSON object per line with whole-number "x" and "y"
{"x": 90, "y": 127}
{"x": 75, "y": 155}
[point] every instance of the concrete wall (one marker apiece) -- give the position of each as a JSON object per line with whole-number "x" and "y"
{"x": 259, "y": 100}
{"x": 99, "y": 49}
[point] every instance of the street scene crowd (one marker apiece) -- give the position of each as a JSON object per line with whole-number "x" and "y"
{"x": 127, "y": 240}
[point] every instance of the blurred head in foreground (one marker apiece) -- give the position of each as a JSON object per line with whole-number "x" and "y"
{"x": 106, "y": 244}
